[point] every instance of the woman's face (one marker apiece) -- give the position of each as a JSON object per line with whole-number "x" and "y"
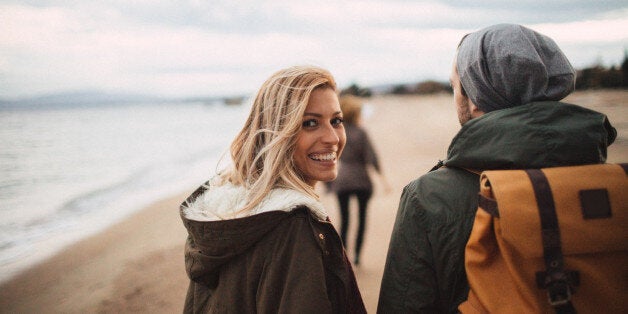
{"x": 321, "y": 138}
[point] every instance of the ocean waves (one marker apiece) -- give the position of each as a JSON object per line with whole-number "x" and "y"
{"x": 67, "y": 174}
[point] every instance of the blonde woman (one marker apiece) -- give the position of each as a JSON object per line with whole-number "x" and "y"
{"x": 259, "y": 239}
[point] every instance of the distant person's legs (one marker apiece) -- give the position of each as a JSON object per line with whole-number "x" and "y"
{"x": 363, "y": 199}
{"x": 343, "y": 201}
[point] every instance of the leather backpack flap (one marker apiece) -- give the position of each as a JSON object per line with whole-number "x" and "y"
{"x": 591, "y": 206}
{"x": 593, "y": 218}
{"x": 591, "y": 209}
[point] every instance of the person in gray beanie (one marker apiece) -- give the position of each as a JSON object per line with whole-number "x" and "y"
{"x": 507, "y": 82}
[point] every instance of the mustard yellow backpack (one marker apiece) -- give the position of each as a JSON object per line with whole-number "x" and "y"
{"x": 550, "y": 240}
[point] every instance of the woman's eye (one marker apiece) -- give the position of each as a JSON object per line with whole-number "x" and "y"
{"x": 309, "y": 123}
{"x": 336, "y": 121}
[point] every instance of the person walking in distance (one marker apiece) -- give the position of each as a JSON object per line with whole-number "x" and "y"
{"x": 353, "y": 178}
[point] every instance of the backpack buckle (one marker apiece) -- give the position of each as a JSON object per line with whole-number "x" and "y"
{"x": 559, "y": 293}
{"x": 559, "y": 285}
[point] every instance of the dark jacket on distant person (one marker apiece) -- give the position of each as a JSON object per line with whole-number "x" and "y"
{"x": 283, "y": 257}
{"x": 356, "y": 156}
{"x": 425, "y": 271}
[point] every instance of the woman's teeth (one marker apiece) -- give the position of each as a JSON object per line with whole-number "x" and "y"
{"x": 323, "y": 157}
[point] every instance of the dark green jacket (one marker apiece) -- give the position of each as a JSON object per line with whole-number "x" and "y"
{"x": 425, "y": 264}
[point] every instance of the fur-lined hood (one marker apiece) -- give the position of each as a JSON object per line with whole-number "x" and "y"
{"x": 213, "y": 202}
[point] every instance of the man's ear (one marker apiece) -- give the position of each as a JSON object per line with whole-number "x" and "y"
{"x": 475, "y": 110}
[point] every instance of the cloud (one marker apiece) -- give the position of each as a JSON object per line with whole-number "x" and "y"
{"x": 587, "y": 31}
{"x": 222, "y": 47}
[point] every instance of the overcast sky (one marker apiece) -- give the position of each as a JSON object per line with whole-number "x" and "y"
{"x": 223, "y": 48}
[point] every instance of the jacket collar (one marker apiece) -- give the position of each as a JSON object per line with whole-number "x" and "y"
{"x": 213, "y": 202}
{"x": 536, "y": 135}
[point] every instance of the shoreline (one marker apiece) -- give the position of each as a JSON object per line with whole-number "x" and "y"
{"x": 57, "y": 243}
{"x": 81, "y": 277}
{"x": 137, "y": 265}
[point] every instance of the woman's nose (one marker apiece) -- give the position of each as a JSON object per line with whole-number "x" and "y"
{"x": 330, "y": 135}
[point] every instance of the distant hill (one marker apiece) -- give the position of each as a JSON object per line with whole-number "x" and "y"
{"x": 76, "y": 99}
{"x": 98, "y": 98}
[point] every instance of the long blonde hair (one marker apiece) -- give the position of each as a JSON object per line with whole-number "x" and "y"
{"x": 262, "y": 151}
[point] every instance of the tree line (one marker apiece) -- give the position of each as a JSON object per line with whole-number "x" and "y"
{"x": 594, "y": 77}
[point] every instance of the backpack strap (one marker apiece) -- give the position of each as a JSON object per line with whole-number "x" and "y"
{"x": 489, "y": 205}
{"x": 558, "y": 281}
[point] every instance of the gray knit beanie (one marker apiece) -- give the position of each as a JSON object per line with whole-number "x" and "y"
{"x": 509, "y": 65}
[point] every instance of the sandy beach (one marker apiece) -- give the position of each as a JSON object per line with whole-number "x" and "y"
{"x": 137, "y": 264}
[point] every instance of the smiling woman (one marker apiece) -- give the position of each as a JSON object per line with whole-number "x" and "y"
{"x": 259, "y": 240}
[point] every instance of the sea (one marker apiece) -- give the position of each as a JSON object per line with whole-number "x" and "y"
{"x": 69, "y": 172}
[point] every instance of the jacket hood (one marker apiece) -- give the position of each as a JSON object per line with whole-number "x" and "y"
{"x": 536, "y": 135}
{"x": 218, "y": 231}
